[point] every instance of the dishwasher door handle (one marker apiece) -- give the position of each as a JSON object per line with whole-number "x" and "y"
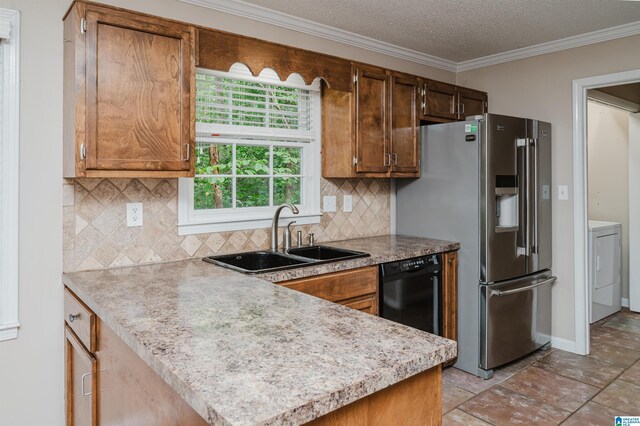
{"x": 522, "y": 289}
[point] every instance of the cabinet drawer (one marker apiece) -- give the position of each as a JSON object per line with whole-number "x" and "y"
{"x": 80, "y": 319}
{"x": 368, "y": 305}
{"x": 338, "y": 286}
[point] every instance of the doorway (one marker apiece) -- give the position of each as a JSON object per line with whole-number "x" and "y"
{"x": 580, "y": 179}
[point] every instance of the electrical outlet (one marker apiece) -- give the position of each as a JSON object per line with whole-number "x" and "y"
{"x": 563, "y": 192}
{"x": 134, "y": 214}
{"x": 329, "y": 203}
{"x": 347, "y": 203}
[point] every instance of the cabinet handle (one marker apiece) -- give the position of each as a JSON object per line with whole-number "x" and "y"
{"x": 82, "y": 385}
{"x": 73, "y": 317}
{"x": 450, "y": 261}
{"x": 187, "y": 146}
{"x": 387, "y": 160}
{"x": 395, "y": 159}
{"x": 461, "y": 109}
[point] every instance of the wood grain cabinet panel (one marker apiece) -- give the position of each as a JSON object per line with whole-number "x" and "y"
{"x": 81, "y": 382}
{"x": 355, "y": 288}
{"x": 381, "y": 139}
{"x": 450, "y": 296}
{"x": 138, "y": 76}
{"x": 443, "y": 102}
{"x": 471, "y": 102}
{"x": 440, "y": 100}
{"x": 371, "y": 100}
{"x": 405, "y": 137}
{"x": 81, "y": 320}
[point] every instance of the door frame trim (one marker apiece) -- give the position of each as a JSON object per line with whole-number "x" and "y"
{"x": 580, "y": 210}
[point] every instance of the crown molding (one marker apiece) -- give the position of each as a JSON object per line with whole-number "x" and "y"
{"x": 262, "y": 14}
{"x": 599, "y": 36}
{"x": 607, "y": 99}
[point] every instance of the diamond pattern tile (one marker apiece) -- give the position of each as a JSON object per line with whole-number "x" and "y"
{"x": 95, "y": 235}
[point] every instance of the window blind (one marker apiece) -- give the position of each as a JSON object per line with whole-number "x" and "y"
{"x": 234, "y": 106}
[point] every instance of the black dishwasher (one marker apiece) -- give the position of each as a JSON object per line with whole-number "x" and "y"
{"x": 411, "y": 292}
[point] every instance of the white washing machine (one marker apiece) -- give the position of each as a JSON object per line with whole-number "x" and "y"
{"x": 605, "y": 245}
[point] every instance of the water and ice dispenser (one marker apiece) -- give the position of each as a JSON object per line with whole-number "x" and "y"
{"x": 506, "y": 203}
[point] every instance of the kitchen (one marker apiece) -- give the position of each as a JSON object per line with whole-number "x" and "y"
{"x": 40, "y": 291}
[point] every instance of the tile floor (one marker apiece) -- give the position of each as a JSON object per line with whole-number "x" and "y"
{"x": 555, "y": 387}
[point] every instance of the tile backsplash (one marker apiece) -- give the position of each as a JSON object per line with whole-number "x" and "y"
{"x": 96, "y": 236}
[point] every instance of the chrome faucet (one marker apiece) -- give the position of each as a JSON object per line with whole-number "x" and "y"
{"x": 274, "y": 224}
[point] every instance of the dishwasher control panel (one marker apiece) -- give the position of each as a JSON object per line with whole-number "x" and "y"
{"x": 410, "y": 264}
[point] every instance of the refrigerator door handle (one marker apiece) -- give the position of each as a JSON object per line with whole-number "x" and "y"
{"x": 523, "y": 247}
{"x": 526, "y": 288}
{"x": 534, "y": 190}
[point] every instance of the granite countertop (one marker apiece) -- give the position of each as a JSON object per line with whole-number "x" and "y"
{"x": 243, "y": 351}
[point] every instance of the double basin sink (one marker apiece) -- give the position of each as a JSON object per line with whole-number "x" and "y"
{"x": 256, "y": 262}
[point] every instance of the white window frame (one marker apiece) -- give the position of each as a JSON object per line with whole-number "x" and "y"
{"x": 191, "y": 221}
{"x": 9, "y": 144}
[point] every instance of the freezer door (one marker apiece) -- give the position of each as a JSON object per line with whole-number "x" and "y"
{"x": 515, "y": 318}
{"x": 502, "y": 199}
{"x": 539, "y": 157}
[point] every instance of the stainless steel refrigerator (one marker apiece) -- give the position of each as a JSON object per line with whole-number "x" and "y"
{"x": 486, "y": 182}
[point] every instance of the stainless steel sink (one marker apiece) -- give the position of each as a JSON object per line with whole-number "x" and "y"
{"x": 326, "y": 253}
{"x": 256, "y": 262}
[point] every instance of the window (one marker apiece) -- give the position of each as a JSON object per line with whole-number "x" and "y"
{"x": 9, "y": 126}
{"x": 257, "y": 147}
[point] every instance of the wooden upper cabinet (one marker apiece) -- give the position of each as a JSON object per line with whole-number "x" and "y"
{"x": 381, "y": 139}
{"x": 440, "y": 100}
{"x": 371, "y": 100}
{"x": 471, "y": 102}
{"x": 405, "y": 127}
{"x": 137, "y": 74}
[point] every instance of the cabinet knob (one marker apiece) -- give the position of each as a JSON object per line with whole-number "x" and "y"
{"x": 450, "y": 261}
{"x": 73, "y": 317}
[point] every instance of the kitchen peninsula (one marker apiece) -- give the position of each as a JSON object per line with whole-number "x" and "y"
{"x": 242, "y": 351}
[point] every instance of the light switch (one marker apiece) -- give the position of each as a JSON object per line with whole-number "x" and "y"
{"x": 563, "y": 192}
{"x": 347, "y": 203}
{"x": 329, "y": 203}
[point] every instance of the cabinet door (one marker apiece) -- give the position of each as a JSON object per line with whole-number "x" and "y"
{"x": 450, "y": 296}
{"x": 471, "y": 102}
{"x": 405, "y": 140}
{"x": 440, "y": 100}
{"x": 81, "y": 382}
{"x": 372, "y": 91}
{"x": 139, "y": 74}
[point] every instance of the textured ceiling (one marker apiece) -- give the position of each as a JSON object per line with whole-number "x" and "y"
{"x": 461, "y": 30}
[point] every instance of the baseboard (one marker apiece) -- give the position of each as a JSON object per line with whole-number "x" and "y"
{"x": 625, "y": 302}
{"x": 563, "y": 344}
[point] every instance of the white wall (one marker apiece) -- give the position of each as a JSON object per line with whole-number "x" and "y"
{"x": 31, "y": 367}
{"x": 540, "y": 87}
{"x": 608, "y": 154}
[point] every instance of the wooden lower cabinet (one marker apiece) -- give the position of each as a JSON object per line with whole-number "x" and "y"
{"x": 450, "y": 296}
{"x": 414, "y": 401}
{"x": 356, "y": 288}
{"x": 81, "y": 382}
